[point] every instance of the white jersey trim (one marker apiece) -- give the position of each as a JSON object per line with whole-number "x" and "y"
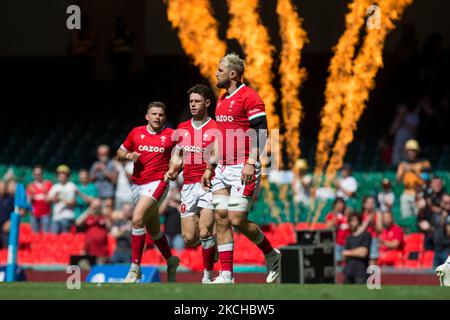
{"x": 239, "y": 88}
{"x": 123, "y": 148}
{"x": 154, "y": 132}
{"x": 260, "y": 114}
{"x": 204, "y": 124}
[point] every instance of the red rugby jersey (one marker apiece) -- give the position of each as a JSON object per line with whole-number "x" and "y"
{"x": 196, "y": 144}
{"x": 155, "y": 149}
{"x": 233, "y": 115}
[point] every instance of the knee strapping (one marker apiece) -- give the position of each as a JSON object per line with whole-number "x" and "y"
{"x": 239, "y": 204}
{"x": 220, "y": 202}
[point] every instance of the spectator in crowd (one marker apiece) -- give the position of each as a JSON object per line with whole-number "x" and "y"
{"x": 170, "y": 209}
{"x": 346, "y": 185}
{"x": 121, "y": 231}
{"x": 96, "y": 228}
{"x": 386, "y": 196}
{"x": 104, "y": 174}
{"x": 409, "y": 172}
{"x": 442, "y": 232}
{"x": 123, "y": 188}
{"x": 338, "y": 221}
{"x": 403, "y": 128}
{"x": 392, "y": 236}
{"x": 6, "y": 208}
{"x": 86, "y": 192}
{"x": 386, "y": 149}
{"x": 356, "y": 252}
{"x": 63, "y": 196}
{"x": 371, "y": 222}
{"x": 301, "y": 183}
{"x": 37, "y": 192}
{"x": 429, "y": 206}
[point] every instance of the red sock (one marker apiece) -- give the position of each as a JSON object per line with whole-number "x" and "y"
{"x": 265, "y": 245}
{"x": 162, "y": 245}
{"x": 226, "y": 256}
{"x": 137, "y": 245}
{"x": 208, "y": 253}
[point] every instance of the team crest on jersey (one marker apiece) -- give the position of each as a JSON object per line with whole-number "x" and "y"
{"x": 183, "y": 208}
{"x": 142, "y": 136}
{"x": 163, "y": 139}
{"x": 205, "y": 136}
{"x": 232, "y": 103}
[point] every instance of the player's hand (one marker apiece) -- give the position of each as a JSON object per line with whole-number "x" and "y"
{"x": 206, "y": 179}
{"x": 170, "y": 176}
{"x": 133, "y": 156}
{"x": 248, "y": 174}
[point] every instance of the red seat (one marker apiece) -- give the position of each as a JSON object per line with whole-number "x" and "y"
{"x": 428, "y": 258}
{"x": 390, "y": 258}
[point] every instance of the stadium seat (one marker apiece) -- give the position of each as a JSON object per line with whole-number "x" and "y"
{"x": 427, "y": 261}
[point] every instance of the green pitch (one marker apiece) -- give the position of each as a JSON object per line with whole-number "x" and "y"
{"x": 187, "y": 291}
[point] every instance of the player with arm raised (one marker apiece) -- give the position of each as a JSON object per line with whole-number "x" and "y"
{"x": 195, "y": 139}
{"x": 241, "y": 120}
{"x": 150, "y": 148}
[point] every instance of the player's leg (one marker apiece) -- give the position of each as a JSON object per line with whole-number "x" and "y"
{"x": 206, "y": 226}
{"x": 138, "y": 237}
{"x": 224, "y": 236}
{"x": 190, "y": 230}
{"x": 239, "y": 205}
{"x": 159, "y": 238}
{"x": 443, "y": 273}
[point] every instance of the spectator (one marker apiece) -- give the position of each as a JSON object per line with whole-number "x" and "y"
{"x": 392, "y": 236}
{"x": 96, "y": 228}
{"x": 371, "y": 222}
{"x": 386, "y": 197}
{"x": 429, "y": 206}
{"x": 338, "y": 221}
{"x": 346, "y": 185}
{"x": 63, "y": 195}
{"x": 403, "y": 128}
{"x": 356, "y": 253}
{"x": 442, "y": 232}
{"x": 301, "y": 183}
{"x": 121, "y": 231}
{"x": 37, "y": 192}
{"x": 170, "y": 209}
{"x": 86, "y": 192}
{"x": 6, "y": 208}
{"x": 123, "y": 188}
{"x": 409, "y": 173}
{"x": 103, "y": 173}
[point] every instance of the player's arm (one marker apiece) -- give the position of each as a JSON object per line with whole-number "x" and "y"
{"x": 259, "y": 138}
{"x": 123, "y": 154}
{"x": 211, "y": 165}
{"x": 175, "y": 165}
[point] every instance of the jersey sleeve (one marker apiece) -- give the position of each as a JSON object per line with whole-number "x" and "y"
{"x": 128, "y": 144}
{"x": 254, "y": 106}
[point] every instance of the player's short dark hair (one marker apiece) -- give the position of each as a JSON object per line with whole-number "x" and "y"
{"x": 157, "y": 104}
{"x": 38, "y": 166}
{"x": 202, "y": 90}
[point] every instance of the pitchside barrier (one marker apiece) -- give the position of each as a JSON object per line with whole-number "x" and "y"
{"x": 109, "y": 273}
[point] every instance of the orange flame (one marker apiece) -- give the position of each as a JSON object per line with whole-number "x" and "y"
{"x": 340, "y": 72}
{"x": 365, "y": 68}
{"x": 292, "y": 76}
{"x": 198, "y": 34}
{"x": 246, "y": 27}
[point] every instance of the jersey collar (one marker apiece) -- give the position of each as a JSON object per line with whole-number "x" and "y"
{"x": 239, "y": 88}
{"x": 198, "y": 128}
{"x": 153, "y": 132}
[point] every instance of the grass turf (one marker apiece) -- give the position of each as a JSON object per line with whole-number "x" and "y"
{"x": 186, "y": 291}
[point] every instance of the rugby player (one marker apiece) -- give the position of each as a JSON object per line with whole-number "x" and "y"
{"x": 195, "y": 139}
{"x": 241, "y": 120}
{"x": 150, "y": 148}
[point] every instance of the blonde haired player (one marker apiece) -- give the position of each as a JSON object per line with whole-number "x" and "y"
{"x": 195, "y": 139}
{"x": 241, "y": 120}
{"x": 150, "y": 148}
